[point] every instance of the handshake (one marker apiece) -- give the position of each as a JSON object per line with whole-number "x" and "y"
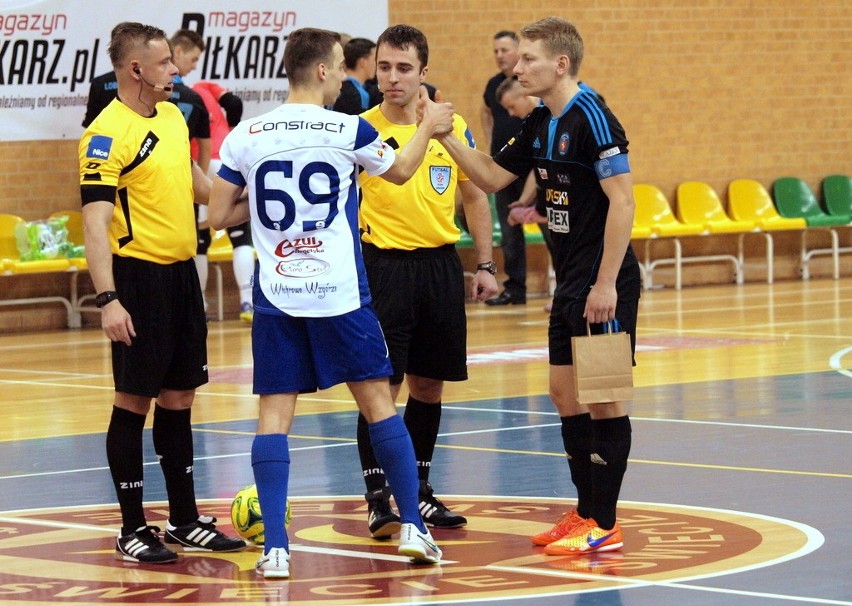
{"x": 435, "y": 116}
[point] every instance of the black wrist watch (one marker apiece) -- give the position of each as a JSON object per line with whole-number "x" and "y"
{"x": 490, "y": 267}
{"x": 105, "y": 297}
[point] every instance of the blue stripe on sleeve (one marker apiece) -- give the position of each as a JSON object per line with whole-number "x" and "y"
{"x": 469, "y": 136}
{"x": 597, "y": 119}
{"x": 231, "y": 176}
{"x": 366, "y": 133}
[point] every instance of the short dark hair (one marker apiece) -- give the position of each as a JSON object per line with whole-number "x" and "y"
{"x": 506, "y": 33}
{"x": 402, "y": 36}
{"x": 187, "y": 39}
{"x": 306, "y": 47}
{"x": 505, "y": 86}
{"x": 128, "y": 36}
{"x": 355, "y": 49}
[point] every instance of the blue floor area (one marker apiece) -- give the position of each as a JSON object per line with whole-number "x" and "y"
{"x": 775, "y": 446}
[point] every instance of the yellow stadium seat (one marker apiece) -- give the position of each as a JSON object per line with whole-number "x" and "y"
{"x": 748, "y": 200}
{"x": 12, "y": 262}
{"x": 74, "y": 225}
{"x": 699, "y": 203}
{"x": 654, "y": 213}
{"x": 13, "y": 265}
{"x": 221, "y": 251}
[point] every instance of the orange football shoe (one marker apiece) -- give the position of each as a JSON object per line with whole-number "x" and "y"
{"x": 587, "y": 538}
{"x": 565, "y": 525}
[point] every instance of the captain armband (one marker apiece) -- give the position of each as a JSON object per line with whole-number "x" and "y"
{"x": 611, "y": 166}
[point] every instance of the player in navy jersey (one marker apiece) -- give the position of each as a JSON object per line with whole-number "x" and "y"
{"x": 314, "y": 326}
{"x": 577, "y": 150}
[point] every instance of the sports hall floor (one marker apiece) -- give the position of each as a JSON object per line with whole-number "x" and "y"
{"x": 737, "y": 491}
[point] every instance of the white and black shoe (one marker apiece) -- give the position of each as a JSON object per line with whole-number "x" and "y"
{"x": 434, "y": 512}
{"x": 202, "y": 535}
{"x": 381, "y": 519}
{"x": 143, "y": 546}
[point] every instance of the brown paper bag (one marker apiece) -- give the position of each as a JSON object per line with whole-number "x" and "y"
{"x": 603, "y": 367}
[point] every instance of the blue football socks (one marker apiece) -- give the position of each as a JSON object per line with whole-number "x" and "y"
{"x": 270, "y": 460}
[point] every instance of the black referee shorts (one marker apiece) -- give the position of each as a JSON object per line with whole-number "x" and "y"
{"x": 169, "y": 350}
{"x": 419, "y": 298}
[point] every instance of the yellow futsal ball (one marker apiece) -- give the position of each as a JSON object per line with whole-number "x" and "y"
{"x": 246, "y": 517}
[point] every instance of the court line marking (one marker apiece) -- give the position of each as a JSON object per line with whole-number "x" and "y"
{"x": 352, "y": 441}
{"x": 835, "y": 359}
{"x": 815, "y": 540}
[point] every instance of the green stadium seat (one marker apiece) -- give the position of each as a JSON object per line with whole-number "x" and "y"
{"x": 794, "y": 198}
{"x": 837, "y": 194}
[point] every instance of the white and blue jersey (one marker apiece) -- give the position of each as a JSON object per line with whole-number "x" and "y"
{"x": 300, "y": 163}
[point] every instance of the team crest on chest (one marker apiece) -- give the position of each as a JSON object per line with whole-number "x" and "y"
{"x": 563, "y": 144}
{"x": 439, "y": 177}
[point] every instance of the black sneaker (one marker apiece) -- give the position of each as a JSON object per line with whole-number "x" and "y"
{"x": 143, "y": 546}
{"x": 434, "y": 513}
{"x": 383, "y": 522}
{"x": 202, "y": 535}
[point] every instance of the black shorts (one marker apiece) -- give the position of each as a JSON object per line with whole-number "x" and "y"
{"x": 419, "y": 298}
{"x": 169, "y": 350}
{"x": 566, "y": 321}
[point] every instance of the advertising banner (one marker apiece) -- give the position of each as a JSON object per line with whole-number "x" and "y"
{"x": 51, "y": 49}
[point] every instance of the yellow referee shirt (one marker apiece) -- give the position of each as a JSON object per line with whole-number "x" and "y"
{"x": 421, "y": 212}
{"x": 143, "y": 165}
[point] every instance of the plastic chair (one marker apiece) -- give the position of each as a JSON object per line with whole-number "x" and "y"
{"x": 837, "y": 194}
{"x": 74, "y": 225}
{"x": 794, "y": 198}
{"x": 699, "y": 203}
{"x": 748, "y": 200}
{"x": 8, "y": 244}
{"x": 12, "y": 265}
{"x": 76, "y": 236}
{"x": 221, "y": 251}
{"x": 654, "y": 214}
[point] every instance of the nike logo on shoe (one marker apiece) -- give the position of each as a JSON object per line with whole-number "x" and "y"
{"x": 593, "y": 543}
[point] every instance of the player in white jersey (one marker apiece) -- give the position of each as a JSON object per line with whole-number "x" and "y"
{"x": 314, "y": 326}
{"x": 300, "y": 163}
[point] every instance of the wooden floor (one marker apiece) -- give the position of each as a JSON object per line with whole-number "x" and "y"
{"x": 742, "y": 448}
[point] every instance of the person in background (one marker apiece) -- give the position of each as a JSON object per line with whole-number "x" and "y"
{"x": 499, "y": 126}
{"x": 356, "y": 95}
{"x": 314, "y": 324}
{"x": 518, "y": 104}
{"x": 416, "y": 278}
{"x": 577, "y": 150}
{"x": 225, "y": 110}
{"x": 137, "y": 185}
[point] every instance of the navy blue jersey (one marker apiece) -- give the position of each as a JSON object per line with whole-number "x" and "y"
{"x": 570, "y": 155}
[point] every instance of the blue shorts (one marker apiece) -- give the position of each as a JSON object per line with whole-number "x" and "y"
{"x": 305, "y": 354}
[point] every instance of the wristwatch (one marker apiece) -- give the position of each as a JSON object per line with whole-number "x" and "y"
{"x": 105, "y": 297}
{"x": 490, "y": 267}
